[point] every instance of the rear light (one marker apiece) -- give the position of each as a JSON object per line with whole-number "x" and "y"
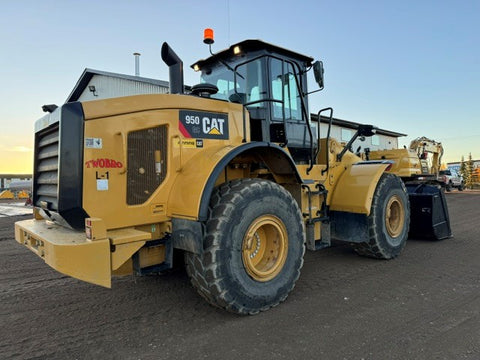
{"x": 95, "y": 229}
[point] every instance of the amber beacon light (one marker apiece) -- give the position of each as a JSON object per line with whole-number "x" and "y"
{"x": 208, "y": 36}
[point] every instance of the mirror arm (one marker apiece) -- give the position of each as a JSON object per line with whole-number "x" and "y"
{"x": 348, "y": 146}
{"x": 312, "y": 92}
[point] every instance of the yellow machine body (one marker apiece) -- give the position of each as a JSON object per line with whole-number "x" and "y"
{"x": 355, "y": 188}
{"x": 180, "y": 193}
{"x": 121, "y": 182}
{"x": 405, "y": 161}
{"x": 118, "y": 230}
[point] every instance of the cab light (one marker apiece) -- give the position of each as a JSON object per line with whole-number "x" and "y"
{"x": 208, "y": 36}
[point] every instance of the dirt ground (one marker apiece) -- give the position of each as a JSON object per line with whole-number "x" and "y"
{"x": 423, "y": 305}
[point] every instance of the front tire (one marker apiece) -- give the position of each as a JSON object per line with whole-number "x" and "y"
{"x": 389, "y": 220}
{"x": 448, "y": 187}
{"x": 254, "y": 247}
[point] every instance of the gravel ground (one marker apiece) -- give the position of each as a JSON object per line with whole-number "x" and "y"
{"x": 423, "y": 305}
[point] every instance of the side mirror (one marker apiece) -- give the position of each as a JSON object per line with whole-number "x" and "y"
{"x": 366, "y": 130}
{"x": 318, "y": 73}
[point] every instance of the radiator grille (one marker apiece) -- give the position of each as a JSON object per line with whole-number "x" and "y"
{"x": 46, "y": 168}
{"x": 142, "y": 178}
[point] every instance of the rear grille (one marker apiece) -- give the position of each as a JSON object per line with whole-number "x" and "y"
{"x": 142, "y": 178}
{"x": 46, "y": 168}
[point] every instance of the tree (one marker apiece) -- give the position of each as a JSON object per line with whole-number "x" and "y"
{"x": 463, "y": 169}
{"x": 469, "y": 166}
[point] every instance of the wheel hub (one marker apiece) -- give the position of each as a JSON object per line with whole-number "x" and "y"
{"x": 264, "y": 248}
{"x": 394, "y": 216}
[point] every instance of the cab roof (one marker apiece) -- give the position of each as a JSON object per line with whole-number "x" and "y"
{"x": 251, "y": 45}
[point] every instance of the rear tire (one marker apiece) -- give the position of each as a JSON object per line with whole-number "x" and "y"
{"x": 448, "y": 187}
{"x": 254, "y": 247}
{"x": 389, "y": 220}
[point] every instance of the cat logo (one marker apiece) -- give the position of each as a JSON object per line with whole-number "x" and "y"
{"x": 212, "y": 126}
{"x": 203, "y": 125}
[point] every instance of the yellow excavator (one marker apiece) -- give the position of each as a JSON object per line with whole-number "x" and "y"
{"x": 233, "y": 174}
{"x": 424, "y": 146}
{"x": 414, "y": 163}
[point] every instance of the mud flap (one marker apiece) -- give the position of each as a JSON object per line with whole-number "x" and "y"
{"x": 428, "y": 212}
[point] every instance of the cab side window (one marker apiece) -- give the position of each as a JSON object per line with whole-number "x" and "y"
{"x": 284, "y": 88}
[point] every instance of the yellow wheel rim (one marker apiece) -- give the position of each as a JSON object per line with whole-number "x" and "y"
{"x": 264, "y": 248}
{"x": 394, "y": 216}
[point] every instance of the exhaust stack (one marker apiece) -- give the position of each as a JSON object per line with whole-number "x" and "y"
{"x": 175, "y": 68}
{"x": 137, "y": 63}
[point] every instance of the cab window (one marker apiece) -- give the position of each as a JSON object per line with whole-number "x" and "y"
{"x": 222, "y": 77}
{"x": 284, "y": 88}
{"x": 250, "y": 82}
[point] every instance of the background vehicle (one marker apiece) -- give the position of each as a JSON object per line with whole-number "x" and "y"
{"x": 414, "y": 163}
{"x": 451, "y": 179}
{"x": 235, "y": 175}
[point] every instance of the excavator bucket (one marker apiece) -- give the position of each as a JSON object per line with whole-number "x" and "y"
{"x": 429, "y": 217}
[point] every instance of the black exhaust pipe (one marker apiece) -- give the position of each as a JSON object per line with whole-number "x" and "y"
{"x": 175, "y": 66}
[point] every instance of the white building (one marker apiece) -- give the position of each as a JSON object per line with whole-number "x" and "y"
{"x": 343, "y": 130}
{"x": 15, "y": 181}
{"x": 96, "y": 85}
{"x": 456, "y": 165}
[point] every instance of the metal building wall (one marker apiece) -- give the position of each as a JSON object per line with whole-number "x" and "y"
{"x": 110, "y": 87}
{"x": 385, "y": 142}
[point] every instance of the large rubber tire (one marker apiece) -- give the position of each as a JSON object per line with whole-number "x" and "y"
{"x": 460, "y": 187}
{"x": 389, "y": 220}
{"x": 248, "y": 219}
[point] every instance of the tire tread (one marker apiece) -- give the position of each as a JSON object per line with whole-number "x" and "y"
{"x": 204, "y": 270}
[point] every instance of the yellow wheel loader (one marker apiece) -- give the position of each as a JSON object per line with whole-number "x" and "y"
{"x": 234, "y": 174}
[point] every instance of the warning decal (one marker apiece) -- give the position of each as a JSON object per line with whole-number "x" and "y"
{"x": 203, "y": 125}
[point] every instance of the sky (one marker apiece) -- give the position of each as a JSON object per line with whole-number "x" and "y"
{"x": 407, "y": 66}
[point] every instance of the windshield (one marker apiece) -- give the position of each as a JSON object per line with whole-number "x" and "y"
{"x": 223, "y": 79}
{"x": 244, "y": 84}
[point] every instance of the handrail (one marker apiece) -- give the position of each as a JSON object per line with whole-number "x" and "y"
{"x": 330, "y": 120}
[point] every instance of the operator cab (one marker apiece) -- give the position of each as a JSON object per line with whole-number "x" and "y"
{"x": 271, "y": 83}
